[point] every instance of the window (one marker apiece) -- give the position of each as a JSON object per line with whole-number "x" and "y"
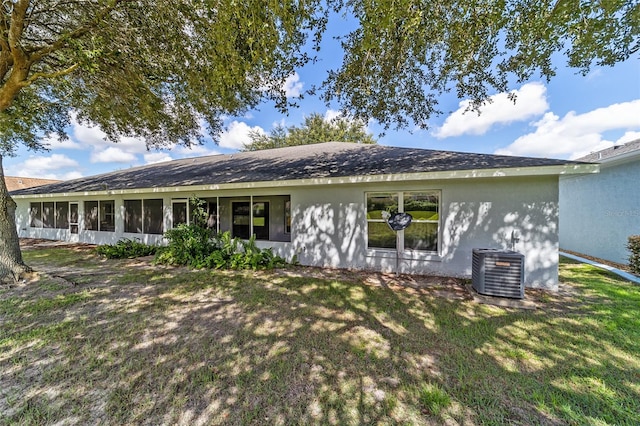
{"x": 379, "y": 233}
{"x": 91, "y": 215}
{"x": 423, "y": 232}
{"x": 287, "y": 217}
{"x": 35, "y": 213}
{"x": 143, "y": 216}
{"x": 49, "y": 215}
{"x": 180, "y": 212}
{"x": 107, "y": 216}
{"x": 243, "y": 215}
{"x": 153, "y": 214}
{"x": 241, "y": 220}
{"x": 100, "y": 215}
{"x": 261, "y": 220}
{"x": 73, "y": 218}
{"x": 133, "y": 216}
{"x": 62, "y": 215}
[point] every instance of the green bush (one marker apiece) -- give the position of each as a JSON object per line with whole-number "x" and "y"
{"x": 126, "y": 249}
{"x": 197, "y": 247}
{"x": 188, "y": 245}
{"x": 634, "y": 259}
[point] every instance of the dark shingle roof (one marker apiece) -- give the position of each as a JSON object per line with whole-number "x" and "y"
{"x": 611, "y": 152}
{"x": 326, "y": 160}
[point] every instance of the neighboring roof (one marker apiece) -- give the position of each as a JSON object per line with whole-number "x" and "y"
{"x": 15, "y": 183}
{"x": 310, "y": 162}
{"x": 616, "y": 151}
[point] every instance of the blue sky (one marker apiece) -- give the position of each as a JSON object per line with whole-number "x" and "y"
{"x": 568, "y": 117}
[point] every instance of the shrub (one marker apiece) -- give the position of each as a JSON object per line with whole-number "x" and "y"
{"x": 197, "y": 247}
{"x": 126, "y": 249}
{"x": 634, "y": 259}
{"x": 188, "y": 245}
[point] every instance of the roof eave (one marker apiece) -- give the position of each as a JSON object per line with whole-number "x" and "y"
{"x": 621, "y": 158}
{"x": 558, "y": 170}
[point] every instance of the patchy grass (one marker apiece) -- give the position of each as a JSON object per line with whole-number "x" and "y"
{"x": 98, "y": 341}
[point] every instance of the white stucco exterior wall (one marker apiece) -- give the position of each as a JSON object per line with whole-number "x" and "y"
{"x": 599, "y": 212}
{"x": 329, "y": 226}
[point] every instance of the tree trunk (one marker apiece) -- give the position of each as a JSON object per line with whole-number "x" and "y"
{"x": 11, "y": 263}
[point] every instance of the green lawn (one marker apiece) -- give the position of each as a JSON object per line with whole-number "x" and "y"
{"x": 117, "y": 342}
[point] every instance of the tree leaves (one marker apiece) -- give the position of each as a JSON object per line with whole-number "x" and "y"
{"x": 315, "y": 129}
{"x": 406, "y": 53}
{"x": 163, "y": 70}
{"x": 155, "y": 70}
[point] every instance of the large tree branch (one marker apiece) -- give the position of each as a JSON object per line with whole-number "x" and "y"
{"x": 6, "y": 62}
{"x": 19, "y": 65}
{"x": 16, "y": 26}
{"x": 79, "y": 32}
{"x": 18, "y": 71}
{"x": 57, "y": 74}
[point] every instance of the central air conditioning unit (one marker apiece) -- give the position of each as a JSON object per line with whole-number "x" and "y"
{"x": 498, "y": 273}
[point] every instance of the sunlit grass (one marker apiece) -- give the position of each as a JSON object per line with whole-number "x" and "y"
{"x": 117, "y": 344}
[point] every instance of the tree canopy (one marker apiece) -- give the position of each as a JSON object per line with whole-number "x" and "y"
{"x": 405, "y": 53}
{"x": 162, "y": 70}
{"x": 315, "y": 129}
{"x": 157, "y": 70}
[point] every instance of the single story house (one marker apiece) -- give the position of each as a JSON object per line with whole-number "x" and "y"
{"x": 324, "y": 203}
{"x": 599, "y": 212}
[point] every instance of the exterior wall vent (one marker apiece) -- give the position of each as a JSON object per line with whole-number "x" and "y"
{"x": 498, "y": 273}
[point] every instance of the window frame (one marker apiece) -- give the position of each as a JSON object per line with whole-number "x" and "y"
{"x": 101, "y": 216}
{"x": 106, "y": 216}
{"x": 390, "y": 194}
{"x": 175, "y": 201}
{"x": 52, "y": 220}
{"x": 287, "y": 217}
{"x": 263, "y": 213}
{"x": 400, "y": 235}
{"x": 145, "y": 209}
{"x": 144, "y": 228}
{"x": 74, "y": 222}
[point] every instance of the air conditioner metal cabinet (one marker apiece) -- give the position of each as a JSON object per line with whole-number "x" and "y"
{"x": 498, "y": 273}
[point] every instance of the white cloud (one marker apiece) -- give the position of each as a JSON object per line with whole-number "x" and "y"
{"x": 54, "y": 142}
{"x": 195, "y": 150}
{"x": 628, "y": 137}
{"x": 237, "y": 135}
{"x": 65, "y": 176}
{"x": 575, "y": 135}
{"x": 53, "y": 162}
{"x": 55, "y": 166}
{"x": 332, "y": 114}
{"x": 86, "y": 135}
{"x": 156, "y": 157}
{"x": 113, "y": 155}
{"x": 531, "y": 101}
{"x": 292, "y": 86}
{"x": 93, "y": 137}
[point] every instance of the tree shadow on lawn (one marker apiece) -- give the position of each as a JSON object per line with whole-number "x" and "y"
{"x": 189, "y": 347}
